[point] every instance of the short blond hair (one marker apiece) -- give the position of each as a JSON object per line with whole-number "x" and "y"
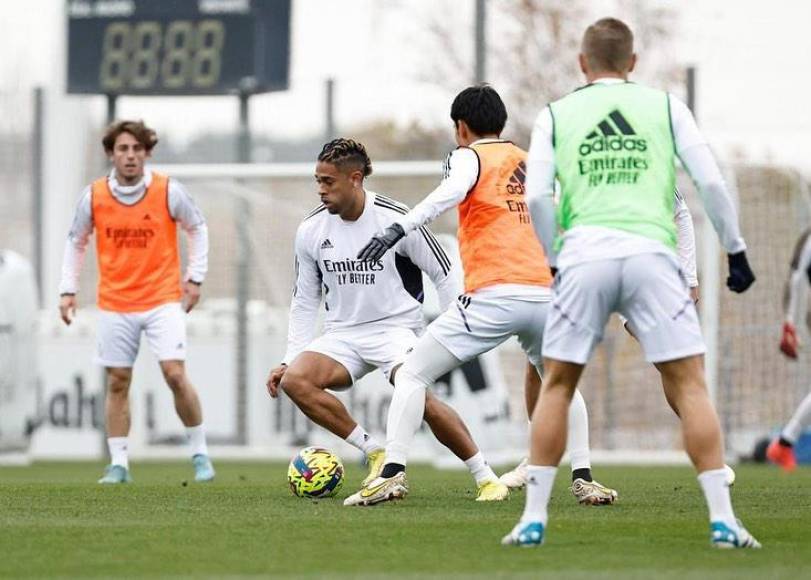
{"x": 608, "y": 45}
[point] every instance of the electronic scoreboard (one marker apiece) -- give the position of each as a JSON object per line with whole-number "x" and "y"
{"x": 177, "y": 47}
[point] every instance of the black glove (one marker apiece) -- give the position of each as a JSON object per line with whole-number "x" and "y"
{"x": 740, "y": 274}
{"x": 382, "y": 243}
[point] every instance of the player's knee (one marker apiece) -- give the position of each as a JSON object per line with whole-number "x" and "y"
{"x": 296, "y": 385}
{"x": 175, "y": 378}
{"x": 118, "y": 382}
{"x": 408, "y": 375}
{"x": 433, "y": 409}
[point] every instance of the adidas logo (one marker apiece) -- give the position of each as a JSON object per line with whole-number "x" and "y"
{"x": 326, "y": 245}
{"x": 516, "y": 184}
{"x": 147, "y": 217}
{"x": 614, "y": 133}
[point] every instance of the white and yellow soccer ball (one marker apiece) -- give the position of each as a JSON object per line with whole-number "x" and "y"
{"x": 729, "y": 474}
{"x": 315, "y": 472}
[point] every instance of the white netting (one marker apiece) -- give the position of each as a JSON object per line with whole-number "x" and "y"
{"x": 254, "y": 210}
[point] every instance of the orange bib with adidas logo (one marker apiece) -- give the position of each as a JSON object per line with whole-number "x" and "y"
{"x": 137, "y": 249}
{"x": 496, "y": 239}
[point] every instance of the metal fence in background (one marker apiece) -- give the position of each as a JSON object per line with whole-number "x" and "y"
{"x": 253, "y": 212}
{"x": 17, "y": 180}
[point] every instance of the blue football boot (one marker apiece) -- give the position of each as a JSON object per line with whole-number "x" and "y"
{"x": 116, "y": 474}
{"x": 525, "y": 534}
{"x": 203, "y": 469}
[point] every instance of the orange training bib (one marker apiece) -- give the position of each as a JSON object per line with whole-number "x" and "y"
{"x": 138, "y": 257}
{"x": 496, "y": 239}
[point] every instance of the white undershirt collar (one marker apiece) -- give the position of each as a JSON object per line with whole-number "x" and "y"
{"x": 127, "y": 190}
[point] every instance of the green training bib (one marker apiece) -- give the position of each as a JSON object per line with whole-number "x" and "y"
{"x": 614, "y": 155}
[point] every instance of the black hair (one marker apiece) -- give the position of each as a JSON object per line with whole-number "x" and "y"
{"x": 346, "y": 153}
{"x": 481, "y": 109}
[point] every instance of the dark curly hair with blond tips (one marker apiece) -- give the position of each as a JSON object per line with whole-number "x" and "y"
{"x": 143, "y": 134}
{"x": 346, "y": 153}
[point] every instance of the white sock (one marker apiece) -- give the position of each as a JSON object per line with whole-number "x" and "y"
{"x": 577, "y": 442}
{"x": 405, "y": 415}
{"x": 118, "y": 451}
{"x": 197, "y": 440}
{"x": 479, "y": 469}
{"x": 362, "y": 440}
{"x": 540, "y": 480}
{"x": 716, "y": 491}
{"x": 428, "y": 361}
{"x": 799, "y": 420}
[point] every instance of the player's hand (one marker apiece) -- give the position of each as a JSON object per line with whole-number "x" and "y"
{"x": 67, "y": 307}
{"x": 694, "y": 294}
{"x": 381, "y": 243}
{"x": 275, "y": 379}
{"x": 740, "y": 274}
{"x": 191, "y": 295}
{"x": 789, "y": 344}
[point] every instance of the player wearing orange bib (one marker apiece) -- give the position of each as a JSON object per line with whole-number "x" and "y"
{"x": 135, "y": 214}
{"x": 507, "y": 282}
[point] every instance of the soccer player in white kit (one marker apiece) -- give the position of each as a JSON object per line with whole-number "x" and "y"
{"x": 134, "y": 213}
{"x": 781, "y": 450}
{"x": 612, "y": 145}
{"x": 507, "y": 286}
{"x": 373, "y": 310}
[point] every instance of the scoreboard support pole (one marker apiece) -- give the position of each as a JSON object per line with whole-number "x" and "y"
{"x": 244, "y": 137}
{"x": 243, "y": 290}
{"x": 112, "y": 108}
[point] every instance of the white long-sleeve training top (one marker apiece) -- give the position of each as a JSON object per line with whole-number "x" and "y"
{"x": 356, "y": 292}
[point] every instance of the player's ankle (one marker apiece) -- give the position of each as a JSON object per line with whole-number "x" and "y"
{"x": 583, "y": 473}
{"x": 783, "y": 442}
{"x": 392, "y": 469}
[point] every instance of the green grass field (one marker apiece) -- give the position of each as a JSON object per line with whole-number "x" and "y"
{"x": 56, "y": 521}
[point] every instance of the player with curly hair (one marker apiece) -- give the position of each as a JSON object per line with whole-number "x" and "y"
{"x": 373, "y": 310}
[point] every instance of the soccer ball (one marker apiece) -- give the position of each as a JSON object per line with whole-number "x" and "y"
{"x": 729, "y": 475}
{"x": 315, "y": 472}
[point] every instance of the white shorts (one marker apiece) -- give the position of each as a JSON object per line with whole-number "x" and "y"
{"x": 118, "y": 335}
{"x": 476, "y": 324}
{"x": 361, "y": 351}
{"x": 647, "y": 289}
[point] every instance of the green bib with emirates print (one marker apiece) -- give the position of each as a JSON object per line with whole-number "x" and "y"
{"x": 614, "y": 155}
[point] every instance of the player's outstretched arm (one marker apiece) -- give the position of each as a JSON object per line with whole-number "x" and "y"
{"x": 700, "y": 163}
{"x": 461, "y": 174}
{"x": 382, "y": 243}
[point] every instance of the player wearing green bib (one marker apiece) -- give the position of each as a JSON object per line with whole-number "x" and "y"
{"x": 612, "y": 146}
